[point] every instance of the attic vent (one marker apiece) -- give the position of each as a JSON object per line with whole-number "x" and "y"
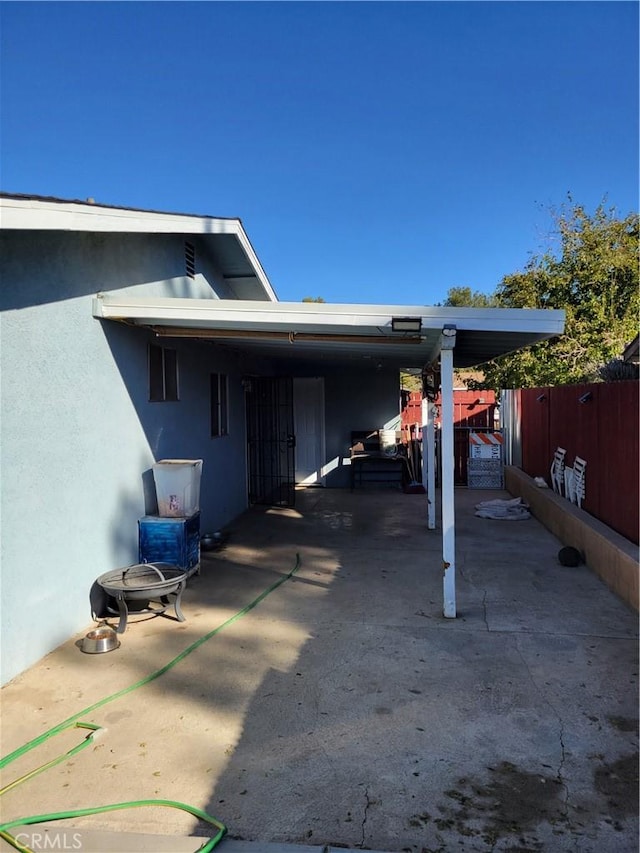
{"x": 190, "y": 259}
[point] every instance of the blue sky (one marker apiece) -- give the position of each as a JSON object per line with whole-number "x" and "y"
{"x": 375, "y": 152}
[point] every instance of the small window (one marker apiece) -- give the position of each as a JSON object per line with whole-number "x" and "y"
{"x": 190, "y": 259}
{"x": 219, "y": 404}
{"x": 163, "y": 374}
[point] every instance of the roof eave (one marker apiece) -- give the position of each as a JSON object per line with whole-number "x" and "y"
{"x": 31, "y": 213}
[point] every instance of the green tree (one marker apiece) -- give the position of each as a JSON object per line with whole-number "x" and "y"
{"x": 464, "y": 297}
{"x": 594, "y": 277}
{"x": 313, "y": 299}
{"x": 410, "y": 381}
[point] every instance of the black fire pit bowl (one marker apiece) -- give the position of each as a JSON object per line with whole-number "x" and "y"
{"x": 143, "y": 583}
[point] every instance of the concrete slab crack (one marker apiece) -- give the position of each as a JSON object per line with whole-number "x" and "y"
{"x": 560, "y": 771}
{"x": 364, "y": 817}
{"x": 484, "y": 610}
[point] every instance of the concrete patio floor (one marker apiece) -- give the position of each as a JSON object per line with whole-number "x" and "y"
{"x": 343, "y": 710}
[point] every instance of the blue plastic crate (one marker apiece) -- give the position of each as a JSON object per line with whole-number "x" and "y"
{"x": 170, "y": 540}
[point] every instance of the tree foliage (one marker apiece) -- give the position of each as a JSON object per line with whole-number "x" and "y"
{"x": 410, "y": 381}
{"x": 313, "y": 299}
{"x": 593, "y": 276}
{"x": 464, "y": 297}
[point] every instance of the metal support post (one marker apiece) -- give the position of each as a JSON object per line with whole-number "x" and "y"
{"x": 447, "y": 473}
{"x": 429, "y": 460}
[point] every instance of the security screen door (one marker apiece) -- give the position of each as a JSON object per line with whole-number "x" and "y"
{"x": 271, "y": 441}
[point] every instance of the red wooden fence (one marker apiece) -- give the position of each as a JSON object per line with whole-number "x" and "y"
{"x": 471, "y": 410}
{"x": 603, "y": 430}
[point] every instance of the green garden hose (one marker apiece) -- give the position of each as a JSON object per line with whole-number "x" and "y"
{"x": 41, "y": 818}
{"x": 88, "y": 739}
{"x": 73, "y": 722}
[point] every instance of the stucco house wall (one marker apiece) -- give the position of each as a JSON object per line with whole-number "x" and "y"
{"x": 79, "y": 434}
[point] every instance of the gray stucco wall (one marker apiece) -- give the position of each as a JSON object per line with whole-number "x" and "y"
{"x": 356, "y": 398}
{"x": 78, "y": 435}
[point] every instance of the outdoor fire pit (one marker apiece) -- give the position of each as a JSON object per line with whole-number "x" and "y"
{"x": 144, "y": 584}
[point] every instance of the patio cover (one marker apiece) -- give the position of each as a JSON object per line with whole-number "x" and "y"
{"x": 337, "y": 332}
{"x": 443, "y": 338}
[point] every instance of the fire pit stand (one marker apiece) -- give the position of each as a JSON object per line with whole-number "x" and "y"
{"x": 145, "y": 583}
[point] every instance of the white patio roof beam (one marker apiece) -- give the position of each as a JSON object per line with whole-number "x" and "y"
{"x": 482, "y": 334}
{"x": 231, "y": 313}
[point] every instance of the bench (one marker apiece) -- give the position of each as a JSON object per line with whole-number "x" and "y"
{"x": 371, "y": 463}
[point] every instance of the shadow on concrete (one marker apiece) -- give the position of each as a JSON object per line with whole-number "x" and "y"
{"x": 399, "y": 730}
{"x": 343, "y": 709}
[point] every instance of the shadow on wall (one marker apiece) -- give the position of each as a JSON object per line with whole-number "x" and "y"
{"x": 181, "y": 429}
{"x": 149, "y": 493}
{"x": 55, "y": 266}
{"x": 122, "y": 536}
{"x": 165, "y": 425}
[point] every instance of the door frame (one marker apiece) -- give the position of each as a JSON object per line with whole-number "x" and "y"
{"x": 319, "y": 413}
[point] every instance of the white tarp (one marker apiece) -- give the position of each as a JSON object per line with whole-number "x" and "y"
{"x": 510, "y": 510}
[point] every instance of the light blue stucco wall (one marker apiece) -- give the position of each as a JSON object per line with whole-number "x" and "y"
{"x": 78, "y": 435}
